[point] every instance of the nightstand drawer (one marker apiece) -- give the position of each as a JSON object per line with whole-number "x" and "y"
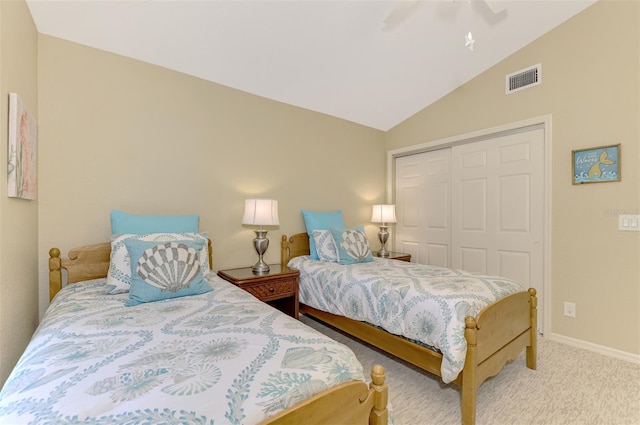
{"x": 266, "y": 291}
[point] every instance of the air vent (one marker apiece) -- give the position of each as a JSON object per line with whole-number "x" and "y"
{"x": 524, "y": 78}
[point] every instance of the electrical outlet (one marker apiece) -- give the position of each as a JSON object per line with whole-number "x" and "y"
{"x": 569, "y": 309}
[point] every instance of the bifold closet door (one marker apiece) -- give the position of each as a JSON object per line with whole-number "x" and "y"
{"x": 423, "y": 206}
{"x": 477, "y": 206}
{"x": 498, "y": 206}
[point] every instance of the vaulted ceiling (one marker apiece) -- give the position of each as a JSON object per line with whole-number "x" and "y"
{"x": 375, "y": 63}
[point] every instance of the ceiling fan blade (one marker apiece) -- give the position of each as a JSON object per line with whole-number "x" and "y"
{"x": 400, "y": 12}
{"x": 496, "y": 6}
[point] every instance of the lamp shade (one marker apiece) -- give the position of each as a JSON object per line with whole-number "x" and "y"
{"x": 263, "y": 212}
{"x": 383, "y": 214}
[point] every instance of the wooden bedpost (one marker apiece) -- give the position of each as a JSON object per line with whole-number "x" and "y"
{"x": 379, "y": 414}
{"x": 293, "y": 246}
{"x": 210, "y": 250}
{"x": 55, "y": 274}
{"x": 469, "y": 377}
{"x": 284, "y": 251}
{"x": 532, "y": 348}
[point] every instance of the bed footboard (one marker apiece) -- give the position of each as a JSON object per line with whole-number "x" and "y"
{"x": 498, "y": 335}
{"x": 348, "y": 403}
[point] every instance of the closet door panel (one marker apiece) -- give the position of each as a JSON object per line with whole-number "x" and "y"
{"x": 423, "y": 198}
{"x": 438, "y": 207}
{"x": 477, "y": 206}
{"x": 410, "y": 207}
{"x": 498, "y": 206}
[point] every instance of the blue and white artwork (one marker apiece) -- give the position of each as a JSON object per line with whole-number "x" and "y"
{"x": 595, "y": 165}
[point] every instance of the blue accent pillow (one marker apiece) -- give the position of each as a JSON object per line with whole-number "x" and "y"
{"x": 163, "y": 270}
{"x": 320, "y": 221}
{"x": 119, "y": 274}
{"x": 122, "y": 223}
{"x": 352, "y": 245}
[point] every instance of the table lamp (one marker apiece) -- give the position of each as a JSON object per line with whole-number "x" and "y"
{"x": 383, "y": 214}
{"x": 260, "y": 212}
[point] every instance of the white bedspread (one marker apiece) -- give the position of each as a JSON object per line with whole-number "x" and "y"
{"x": 423, "y": 303}
{"x": 218, "y": 358}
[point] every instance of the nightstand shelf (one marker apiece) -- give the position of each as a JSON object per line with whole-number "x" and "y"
{"x": 397, "y": 256}
{"x": 278, "y": 288}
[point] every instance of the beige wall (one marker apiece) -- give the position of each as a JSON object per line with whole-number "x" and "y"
{"x": 119, "y": 133}
{"x": 591, "y": 88}
{"x": 18, "y": 218}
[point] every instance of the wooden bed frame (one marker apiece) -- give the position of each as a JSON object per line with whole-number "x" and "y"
{"x": 496, "y": 336}
{"x": 348, "y": 403}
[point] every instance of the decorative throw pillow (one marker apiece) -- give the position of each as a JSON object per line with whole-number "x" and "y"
{"x": 325, "y": 246}
{"x": 352, "y": 245}
{"x": 122, "y": 223}
{"x": 163, "y": 270}
{"x": 119, "y": 274}
{"x": 320, "y": 221}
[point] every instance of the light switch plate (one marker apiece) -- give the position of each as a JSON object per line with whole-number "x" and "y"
{"x": 629, "y": 222}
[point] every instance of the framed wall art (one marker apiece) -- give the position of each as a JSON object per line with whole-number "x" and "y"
{"x": 596, "y": 165}
{"x": 21, "y": 163}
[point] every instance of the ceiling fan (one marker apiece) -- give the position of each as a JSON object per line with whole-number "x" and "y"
{"x": 403, "y": 9}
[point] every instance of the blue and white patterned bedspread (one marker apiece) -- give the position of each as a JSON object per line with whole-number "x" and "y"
{"x": 218, "y": 358}
{"x": 419, "y": 302}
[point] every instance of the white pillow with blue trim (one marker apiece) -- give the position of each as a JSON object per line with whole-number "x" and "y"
{"x": 352, "y": 245}
{"x": 320, "y": 220}
{"x": 164, "y": 270}
{"x": 119, "y": 274}
{"x": 325, "y": 246}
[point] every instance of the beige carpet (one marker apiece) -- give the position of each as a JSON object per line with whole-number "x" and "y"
{"x": 570, "y": 386}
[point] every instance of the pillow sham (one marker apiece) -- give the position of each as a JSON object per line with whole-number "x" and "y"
{"x": 314, "y": 220}
{"x": 325, "y": 246}
{"x": 119, "y": 274}
{"x": 164, "y": 270}
{"x": 122, "y": 223}
{"x": 352, "y": 245}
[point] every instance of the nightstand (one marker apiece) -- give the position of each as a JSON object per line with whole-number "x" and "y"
{"x": 398, "y": 256}
{"x": 278, "y": 288}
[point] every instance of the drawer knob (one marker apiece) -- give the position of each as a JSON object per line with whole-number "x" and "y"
{"x": 272, "y": 289}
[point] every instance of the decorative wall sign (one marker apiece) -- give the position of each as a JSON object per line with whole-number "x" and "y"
{"x": 596, "y": 165}
{"x": 21, "y": 163}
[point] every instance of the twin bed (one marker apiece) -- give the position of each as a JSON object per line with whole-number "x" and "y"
{"x": 460, "y": 326}
{"x": 220, "y": 357}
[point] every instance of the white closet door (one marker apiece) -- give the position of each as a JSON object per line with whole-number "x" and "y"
{"x": 423, "y": 206}
{"x": 498, "y": 193}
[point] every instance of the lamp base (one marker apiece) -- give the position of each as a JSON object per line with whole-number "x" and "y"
{"x": 260, "y": 267}
{"x": 383, "y": 236}
{"x": 260, "y": 243}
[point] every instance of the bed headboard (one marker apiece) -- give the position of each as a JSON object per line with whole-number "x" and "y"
{"x": 294, "y": 246}
{"x": 84, "y": 263}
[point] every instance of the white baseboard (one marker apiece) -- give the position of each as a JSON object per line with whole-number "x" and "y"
{"x": 601, "y": 349}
